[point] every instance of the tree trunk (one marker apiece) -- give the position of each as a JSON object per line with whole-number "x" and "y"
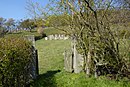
{"x": 75, "y": 56}
{"x": 88, "y": 64}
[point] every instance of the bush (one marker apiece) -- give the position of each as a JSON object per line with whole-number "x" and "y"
{"x": 38, "y": 37}
{"x": 41, "y": 32}
{"x": 124, "y": 33}
{"x": 3, "y": 31}
{"x": 15, "y": 57}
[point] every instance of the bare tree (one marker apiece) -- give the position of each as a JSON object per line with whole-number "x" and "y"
{"x": 91, "y": 27}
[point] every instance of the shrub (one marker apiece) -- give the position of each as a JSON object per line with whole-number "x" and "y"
{"x": 124, "y": 33}
{"x": 15, "y": 57}
{"x": 38, "y": 37}
{"x": 3, "y": 31}
{"x": 41, "y": 32}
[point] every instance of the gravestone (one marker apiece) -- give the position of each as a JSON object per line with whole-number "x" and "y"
{"x": 61, "y": 37}
{"x": 72, "y": 59}
{"x": 46, "y": 38}
{"x": 77, "y": 60}
{"x": 56, "y": 36}
{"x": 51, "y": 37}
{"x": 34, "y": 65}
{"x": 34, "y": 71}
{"x": 31, "y": 38}
{"x": 68, "y": 61}
{"x": 66, "y": 37}
{"x": 80, "y": 62}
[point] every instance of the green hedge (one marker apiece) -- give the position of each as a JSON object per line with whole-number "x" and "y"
{"x": 15, "y": 57}
{"x": 38, "y": 37}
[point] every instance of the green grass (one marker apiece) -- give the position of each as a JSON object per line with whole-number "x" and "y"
{"x": 24, "y": 33}
{"x": 47, "y": 31}
{"x": 52, "y": 73}
{"x": 51, "y": 54}
{"x": 50, "y": 31}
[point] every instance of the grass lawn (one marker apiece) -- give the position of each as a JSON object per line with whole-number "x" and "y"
{"x": 51, "y": 68}
{"x": 50, "y": 31}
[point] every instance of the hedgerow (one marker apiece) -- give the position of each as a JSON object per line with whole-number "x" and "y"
{"x": 15, "y": 57}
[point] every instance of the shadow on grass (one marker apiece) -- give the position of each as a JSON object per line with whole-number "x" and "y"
{"x": 45, "y": 80}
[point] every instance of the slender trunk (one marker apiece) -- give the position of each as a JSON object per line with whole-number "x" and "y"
{"x": 88, "y": 64}
{"x": 96, "y": 74}
{"x": 75, "y": 58}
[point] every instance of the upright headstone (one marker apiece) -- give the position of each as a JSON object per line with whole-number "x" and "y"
{"x": 78, "y": 61}
{"x": 46, "y": 38}
{"x": 68, "y": 61}
{"x": 75, "y": 66}
{"x": 62, "y": 37}
{"x": 56, "y": 36}
{"x": 34, "y": 65}
{"x": 66, "y": 37}
{"x": 77, "y": 58}
{"x": 31, "y": 38}
{"x": 34, "y": 62}
{"x": 59, "y": 36}
{"x": 51, "y": 37}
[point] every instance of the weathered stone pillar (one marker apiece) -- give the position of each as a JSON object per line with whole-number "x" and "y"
{"x": 68, "y": 61}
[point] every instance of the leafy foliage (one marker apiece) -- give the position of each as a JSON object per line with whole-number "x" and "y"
{"x": 27, "y": 24}
{"x": 10, "y": 24}
{"x": 40, "y": 31}
{"x": 57, "y": 20}
{"x": 40, "y": 22}
{"x": 15, "y": 56}
{"x": 3, "y": 31}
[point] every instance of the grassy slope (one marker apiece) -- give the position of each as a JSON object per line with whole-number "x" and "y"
{"x": 22, "y": 33}
{"x": 52, "y": 72}
{"x": 49, "y": 31}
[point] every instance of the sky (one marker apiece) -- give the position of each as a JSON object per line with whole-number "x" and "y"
{"x": 16, "y": 8}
